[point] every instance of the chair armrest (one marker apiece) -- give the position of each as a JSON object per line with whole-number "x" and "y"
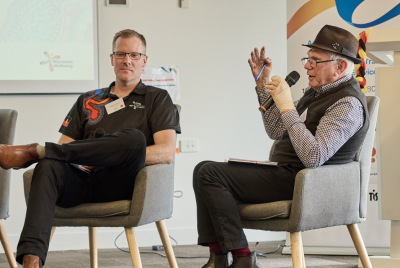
{"x": 153, "y": 194}
{"x": 326, "y": 196}
{"x": 4, "y": 193}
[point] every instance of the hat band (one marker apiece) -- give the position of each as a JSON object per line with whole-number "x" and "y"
{"x": 347, "y": 53}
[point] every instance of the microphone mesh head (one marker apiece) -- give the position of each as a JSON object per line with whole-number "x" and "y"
{"x": 292, "y": 78}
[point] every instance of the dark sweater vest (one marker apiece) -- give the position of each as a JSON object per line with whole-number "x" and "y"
{"x": 284, "y": 153}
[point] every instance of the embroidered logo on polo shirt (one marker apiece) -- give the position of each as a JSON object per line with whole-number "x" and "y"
{"x": 66, "y": 121}
{"x": 136, "y": 105}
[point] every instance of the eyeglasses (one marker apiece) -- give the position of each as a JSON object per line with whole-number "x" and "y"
{"x": 132, "y": 55}
{"x": 313, "y": 63}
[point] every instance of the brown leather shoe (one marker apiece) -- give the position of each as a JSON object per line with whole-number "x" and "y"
{"x": 31, "y": 261}
{"x": 20, "y": 156}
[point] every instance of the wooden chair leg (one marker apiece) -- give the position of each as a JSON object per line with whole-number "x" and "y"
{"x": 53, "y": 229}
{"x": 93, "y": 246}
{"x": 6, "y": 246}
{"x": 359, "y": 244}
{"x": 302, "y": 252}
{"x": 296, "y": 244}
{"x": 162, "y": 230}
{"x": 133, "y": 247}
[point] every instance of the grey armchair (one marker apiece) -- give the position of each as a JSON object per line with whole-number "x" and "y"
{"x": 8, "y": 120}
{"x": 151, "y": 202}
{"x": 327, "y": 196}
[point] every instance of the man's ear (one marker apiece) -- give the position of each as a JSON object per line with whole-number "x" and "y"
{"x": 341, "y": 67}
{"x": 112, "y": 59}
{"x": 144, "y": 61}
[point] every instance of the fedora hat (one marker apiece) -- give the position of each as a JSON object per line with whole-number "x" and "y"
{"x": 337, "y": 40}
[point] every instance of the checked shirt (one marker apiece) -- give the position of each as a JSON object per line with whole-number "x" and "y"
{"x": 340, "y": 122}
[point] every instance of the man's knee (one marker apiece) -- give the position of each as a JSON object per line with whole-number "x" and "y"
{"x": 207, "y": 173}
{"x": 48, "y": 170}
{"x": 196, "y": 170}
{"x": 131, "y": 137}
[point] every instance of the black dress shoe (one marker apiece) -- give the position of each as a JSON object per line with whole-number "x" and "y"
{"x": 246, "y": 262}
{"x": 216, "y": 261}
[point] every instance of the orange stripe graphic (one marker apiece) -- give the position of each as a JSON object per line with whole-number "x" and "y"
{"x": 308, "y": 11}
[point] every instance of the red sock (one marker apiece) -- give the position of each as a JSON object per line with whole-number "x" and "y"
{"x": 241, "y": 252}
{"x": 215, "y": 247}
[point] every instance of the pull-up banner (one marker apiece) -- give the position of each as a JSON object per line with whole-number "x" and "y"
{"x": 305, "y": 19}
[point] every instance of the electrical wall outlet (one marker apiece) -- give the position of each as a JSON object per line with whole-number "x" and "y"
{"x": 189, "y": 146}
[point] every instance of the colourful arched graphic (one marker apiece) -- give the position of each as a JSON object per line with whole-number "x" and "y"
{"x": 308, "y": 11}
{"x": 345, "y": 9}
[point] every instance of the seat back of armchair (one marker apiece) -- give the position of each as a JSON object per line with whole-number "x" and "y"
{"x": 364, "y": 155}
{"x": 8, "y": 120}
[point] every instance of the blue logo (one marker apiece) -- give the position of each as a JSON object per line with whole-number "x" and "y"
{"x": 346, "y": 9}
{"x": 168, "y": 70}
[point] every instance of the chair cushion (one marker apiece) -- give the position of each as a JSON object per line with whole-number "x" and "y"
{"x": 256, "y": 212}
{"x": 94, "y": 210}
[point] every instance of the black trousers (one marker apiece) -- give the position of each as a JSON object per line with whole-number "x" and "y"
{"x": 118, "y": 157}
{"x": 218, "y": 185}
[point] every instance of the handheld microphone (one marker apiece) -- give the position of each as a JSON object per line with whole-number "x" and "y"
{"x": 291, "y": 79}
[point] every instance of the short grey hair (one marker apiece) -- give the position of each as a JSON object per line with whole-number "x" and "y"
{"x": 350, "y": 65}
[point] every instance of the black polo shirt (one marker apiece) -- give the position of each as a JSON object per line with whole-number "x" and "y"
{"x": 148, "y": 109}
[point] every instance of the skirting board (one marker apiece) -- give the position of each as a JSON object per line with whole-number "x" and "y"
{"x": 338, "y": 251}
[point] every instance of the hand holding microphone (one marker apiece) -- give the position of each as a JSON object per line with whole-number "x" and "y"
{"x": 276, "y": 83}
{"x": 280, "y": 92}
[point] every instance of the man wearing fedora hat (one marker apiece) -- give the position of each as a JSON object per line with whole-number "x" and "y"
{"x": 326, "y": 126}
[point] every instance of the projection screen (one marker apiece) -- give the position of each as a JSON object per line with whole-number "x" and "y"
{"x": 48, "y": 46}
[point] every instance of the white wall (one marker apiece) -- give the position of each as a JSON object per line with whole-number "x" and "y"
{"x": 210, "y": 42}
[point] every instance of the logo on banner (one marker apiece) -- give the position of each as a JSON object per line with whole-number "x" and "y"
{"x": 373, "y": 196}
{"x": 373, "y": 158}
{"x": 346, "y": 9}
{"x": 170, "y": 70}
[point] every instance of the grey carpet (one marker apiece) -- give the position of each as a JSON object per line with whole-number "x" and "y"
{"x": 114, "y": 258}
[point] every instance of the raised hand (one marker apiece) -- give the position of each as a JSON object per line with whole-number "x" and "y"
{"x": 256, "y": 62}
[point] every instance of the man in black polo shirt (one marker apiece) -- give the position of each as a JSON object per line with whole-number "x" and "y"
{"x": 109, "y": 135}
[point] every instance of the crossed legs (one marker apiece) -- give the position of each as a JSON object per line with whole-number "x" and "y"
{"x": 120, "y": 157}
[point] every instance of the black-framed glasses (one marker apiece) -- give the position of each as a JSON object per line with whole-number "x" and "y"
{"x": 132, "y": 55}
{"x": 313, "y": 63}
